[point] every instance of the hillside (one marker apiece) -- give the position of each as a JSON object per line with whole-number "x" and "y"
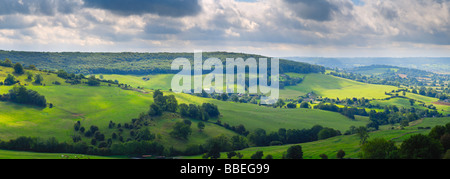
{"x": 437, "y": 65}
{"x": 98, "y": 105}
{"x": 348, "y": 143}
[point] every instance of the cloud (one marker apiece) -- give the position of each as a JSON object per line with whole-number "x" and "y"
{"x": 275, "y": 26}
{"x": 38, "y": 7}
{"x": 318, "y": 10}
{"x": 171, "y": 8}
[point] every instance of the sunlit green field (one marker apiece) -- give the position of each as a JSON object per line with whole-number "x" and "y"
{"x": 161, "y": 81}
{"x": 90, "y": 105}
{"x": 323, "y": 85}
{"x": 271, "y": 119}
{"x": 335, "y": 87}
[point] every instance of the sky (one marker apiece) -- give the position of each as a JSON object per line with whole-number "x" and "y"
{"x": 277, "y": 28}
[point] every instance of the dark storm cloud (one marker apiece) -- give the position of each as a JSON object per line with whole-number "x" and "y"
{"x": 318, "y": 10}
{"x": 37, "y": 7}
{"x": 171, "y": 8}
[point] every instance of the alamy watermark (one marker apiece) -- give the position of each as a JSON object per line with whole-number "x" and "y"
{"x": 235, "y": 76}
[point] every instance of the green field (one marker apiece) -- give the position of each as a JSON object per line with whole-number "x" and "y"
{"x": 399, "y": 102}
{"x": 323, "y": 85}
{"x": 335, "y": 87}
{"x": 7, "y": 154}
{"x": 161, "y": 81}
{"x": 271, "y": 119}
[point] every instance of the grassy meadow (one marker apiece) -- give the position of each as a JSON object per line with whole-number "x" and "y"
{"x": 335, "y": 87}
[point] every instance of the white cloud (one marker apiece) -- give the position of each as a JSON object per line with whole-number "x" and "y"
{"x": 269, "y": 27}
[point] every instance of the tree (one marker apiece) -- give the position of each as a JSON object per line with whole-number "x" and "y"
{"x": 183, "y": 108}
{"x": 445, "y": 141}
{"x": 224, "y": 96}
{"x": 10, "y": 80}
{"x": 280, "y": 103}
{"x": 437, "y": 131}
{"x": 158, "y": 93}
{"x": 216, "y": 145}
{"x": 211, "y": 109}
{"x": 412, "y": 101}
{"x": 420, "y": 146}
{"x": 291, "y": 105}
{"x": 363, "y": 134}
{"x": 8, "y": 63}
{"x": 20, "y": 94}
{"x": 326, "y": 133}
{"x": 238, "y": 142}
{"x": 146, "y": 135}
{"x": 379, "y": 148}
{"x": 193, "y": 111}
{"x": 257, "y": 155}
{"x": 38, "y": 79}
{"x": 32, "y": 67}
{"x": 171, "y": 104}
{"x": 304, "y": 105}
{"x": 154, "y": 110}
{"x": 258, "y": 137}
{"x": 93, "y": 129}
{"x": 92, "y": 81}
{"x": 161, "y": 102}
{"x": 323, "y": 156}
{"x": 29, "y": 75}
{"x": 231, "y": 154}
{"x": 294, "y": 152}
{"x": 201, "y": 126}
{"x": 340, "y": 154}
{"x": 18, "y": 69}
{"x": 181, "y": 131}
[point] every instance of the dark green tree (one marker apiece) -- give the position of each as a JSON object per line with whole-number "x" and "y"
{"x": 10, "y": 80}
{"x": 304, "y": 105}
{"x": 171, "y": 103}
{"x": 420, "y": 146}
{"x": 18, "y": 69}
{"x": 437, "y": 131}
{"x": 181, "y": 130}
{"x": 363, "y": 134}
{"x": 379, "y": 148}
{"x": 257, "y": 155}
{"x": 38, "y": 79}
{"x": 294, "y": 152}
{"x": 92, "y": 81}
{"x": 183, "y": 110}
{"x": 201, "y": 126}
{"x": 340, "y": 154}
{"x": 155, "y": 110}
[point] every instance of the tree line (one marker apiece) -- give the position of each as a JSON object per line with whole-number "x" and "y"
{"x": 22, "y": 95}
{"x": 132, "y": 63}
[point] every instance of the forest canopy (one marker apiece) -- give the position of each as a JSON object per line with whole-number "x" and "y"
{"x": 128, "y": 62}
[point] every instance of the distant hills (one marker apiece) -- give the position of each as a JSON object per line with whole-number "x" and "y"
{"x": 131, "y": 62}
{"x": 432, "y": 64}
